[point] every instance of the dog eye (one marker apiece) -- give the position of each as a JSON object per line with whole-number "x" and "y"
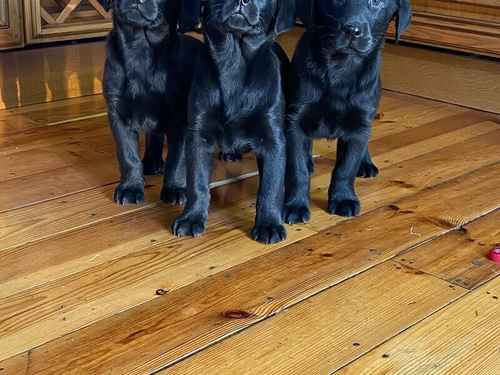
{"x": 376, "y": 3}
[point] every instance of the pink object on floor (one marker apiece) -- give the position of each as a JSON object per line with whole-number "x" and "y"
{"x": 494, "y": 255}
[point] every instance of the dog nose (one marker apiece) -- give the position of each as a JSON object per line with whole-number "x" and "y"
{"x": 244, "y": 2}
{"x": 355, "y": 30}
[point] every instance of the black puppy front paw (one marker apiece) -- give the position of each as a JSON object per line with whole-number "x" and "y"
{"x": 152, "y": 167}
{"x": 296, "y": 214}
{"x": 367, "y": 170}
{"x": 129, "y": 194}
{"x": 269, "y": 234}
{"x": 344, "y": 207}
{"x": 173, "y": 195}
{"x": 185, "y": 226}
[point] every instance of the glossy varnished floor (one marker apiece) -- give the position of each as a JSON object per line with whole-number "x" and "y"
{"x": 87, "y": 287}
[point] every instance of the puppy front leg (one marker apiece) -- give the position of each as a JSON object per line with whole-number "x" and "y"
{"x": 153, "y": 154}
{"x": 342, "y": 198}
{"x": 174, "y": 183}
{"x": 269, "y": 227}
{"x": 193, "y": 220}
{"x": 299, "y": 168}
{"x": 131, "y": 187}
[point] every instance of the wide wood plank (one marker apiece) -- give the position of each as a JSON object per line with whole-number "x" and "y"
{"x": 165, "y": 262}
{"x": 406, "y": 177}
{"x": 74, "y": 162}
{"x": 57, "y": 183}
{"x": 328, "y": 330}
{"x": 323, "y": 335}
{"x": 462, "y": 80}
{"x": 47, "y": 218}
{"x": 31, "y": 223}
{"x": 51, "y": 165}
{"x": 50, "y": 74}
{"x": 462, "y": 339}
{"x": 53, "y": 258}
{"x": 460, "y": 257}
{"x": 53, "y": 136}
{"x": 188, "y": 319}
{"x": 20, "y": 119}
{"x": 53, "y": 157}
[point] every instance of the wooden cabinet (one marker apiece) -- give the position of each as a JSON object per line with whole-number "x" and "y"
{"x": 57, "y": 20}
{"x": 11, "y": 31}
{"x": 39, "y": 21}
{"x": 463, "y": 25}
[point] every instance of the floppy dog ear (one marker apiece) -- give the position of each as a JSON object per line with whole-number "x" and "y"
{"x": 190, "y": 13}
{"x": 403, "y": 17}
{"x": 285, "y": 16}
{"x": 305, "y": 12}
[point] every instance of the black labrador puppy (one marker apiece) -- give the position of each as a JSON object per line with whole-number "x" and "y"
{"x": 148, "y": 74}
{"x": 335, "y": 94}
{"x": 237, "y": 104}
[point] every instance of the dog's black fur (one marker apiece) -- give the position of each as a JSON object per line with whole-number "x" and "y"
{"x": 148, "y": 74}
{"x": 335, "y": 94}
{"x": 237, "y": 104}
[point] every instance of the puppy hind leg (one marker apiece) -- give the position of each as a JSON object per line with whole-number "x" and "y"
{"x": 299, "y": 168}
{"x": 367, "y": 169}
{"x": 131, "y": 187}
{"x": 152, "y": 161}
{"x": 193, "y": 220}
{"x": 269, "y": 227}
{"x": 342, "y": 198}
{"x": 174, "y": 182}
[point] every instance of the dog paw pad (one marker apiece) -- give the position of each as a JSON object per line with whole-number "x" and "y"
{"x": 297, "y": 214}
{"x": 345, "y": 207}
{"x": 184, "y": 227}
{"x": 129, "y": 194}
{"x": 173, "y": 196}
{"x": 368, "y": 170}
{"x": 269, "y": 234}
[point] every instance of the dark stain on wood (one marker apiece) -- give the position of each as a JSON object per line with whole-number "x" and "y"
{"x": 402, "y": 184}
{"x": 237, "y": 314}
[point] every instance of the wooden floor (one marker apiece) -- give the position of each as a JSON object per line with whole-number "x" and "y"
{"x": 87, "y": 287}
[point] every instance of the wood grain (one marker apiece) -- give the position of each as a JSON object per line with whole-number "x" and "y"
{"x": 47, "y": 251}
{"x": 53, "y": 136}
{"x": 328, "y": 330}
{"x": 48, "y": 218}
{"x": 462, "y": 25}
{"x": 461, "y": 339}
{"x": 188, "y": 319}
{"x": 79, "y": 276}
{"x": 50, "y": 74}
{"x": 57, "y": 216}
{"x": 72, "y": 151}
{"x": 460, "y": 257}
{"x": 466, "y": 81}
{"x": 25, "y": 171}
{"x": 153, "y": 221}
{"x": 45, "y": 114}
{"x": 404, "y": 178}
